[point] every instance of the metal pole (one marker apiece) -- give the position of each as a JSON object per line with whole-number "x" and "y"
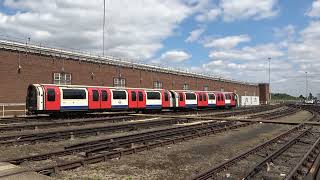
{"x": 306, "y": 85}
{"x": 2, "y": 110}
{"x": 269, "y": 59}
{"x": 104, "y": 20}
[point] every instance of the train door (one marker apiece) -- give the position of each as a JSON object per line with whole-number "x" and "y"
{"x": 141, "y": 99}
{"x": 205, "y": 99}
{"x": 182, "y": 100}
{"x": 94, "y": 98}
{"x": 52, "y": 98}
{"x": 105, "y": 95}
{"x": 165, "y": 99}
{"x": 133, "y": 99}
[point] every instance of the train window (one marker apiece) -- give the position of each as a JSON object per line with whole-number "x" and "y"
{"x": 95, "y": 95}
{"x": 74, "y": 94}
{"x": 222, "y": 97}
{"x": 180, "y": 96}
{"x": 204, "y": 97}
{"x": 219, "y": 97}
{"x": 232, "y": 97}
{"x": 153, "y": 95}
{"x": 212, "y": 96}
{"x": 140, "y": 96}
{"x": 166, "y": 96}
{"x": 51, "y": 95}
{"x": 190, "y": 96}
{"x": 119, "y": 95}
{"x": 133, "y": 96}
{"x": 104, "y": 95}
{"x": 200, "y": 97}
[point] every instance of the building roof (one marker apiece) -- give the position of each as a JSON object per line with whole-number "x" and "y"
{"x": 88, "y": 57}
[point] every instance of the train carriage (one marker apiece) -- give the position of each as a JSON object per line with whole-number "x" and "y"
{"x": 50, "y": 99}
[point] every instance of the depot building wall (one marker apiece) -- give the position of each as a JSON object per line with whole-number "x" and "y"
{"x": 36, "y": 68}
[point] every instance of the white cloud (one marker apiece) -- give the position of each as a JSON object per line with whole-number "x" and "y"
{"x": 195, "y": 35}
{"x": 226, "y": 42}
{"x": 315, "y": 9}
{"x": 134, "y": 29}
{"x": 209, "y": 15}
{"x": 244, "y": 9}
{"x": 285, "y": 32}
{"x": 248, "y": 53}
{"x": 174, "y": 56}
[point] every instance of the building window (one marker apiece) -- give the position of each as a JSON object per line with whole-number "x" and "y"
{"x": 205, "y": 88}
{"x": 62, "y": 78}
{"x": 222, "y": 89}
{"x": 157, "y": 85}
{"x": 119, "y": 82}
{"x": 186, "y": 87}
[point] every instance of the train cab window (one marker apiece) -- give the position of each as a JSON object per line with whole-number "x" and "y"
{"x": 133, "y": 96}
{"x": 190, "y": 96}
{"x": 95, "y": 95}
{"x": 119, "y": 95}
{"x": 104, "y": 95}
{"x": 204, "y": 97}
{"x": 140, "y": 96}
{"x": 153, "y": 95}
{"x": 200, "y": 97}
{"x": 74, "y": 94}
{"x": 166, "y": 96}
{"x": 51, "y": 95}
{"x": 180, "y": 96}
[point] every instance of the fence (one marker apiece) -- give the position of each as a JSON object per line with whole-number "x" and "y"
{"x": 12, "y": 109}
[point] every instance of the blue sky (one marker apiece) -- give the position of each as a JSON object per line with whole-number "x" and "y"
{"x": 227, "y": 38}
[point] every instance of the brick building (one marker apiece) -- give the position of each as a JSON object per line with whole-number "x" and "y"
{"x": 21, "y": 65}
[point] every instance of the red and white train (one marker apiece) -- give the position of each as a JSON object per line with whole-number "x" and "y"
{"x": 51, "y": 99}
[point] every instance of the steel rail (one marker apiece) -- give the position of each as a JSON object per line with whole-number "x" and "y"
{"x": 125, "y": 140}
{"x": 62, "y": 134}
{"x": 275, "y": 154}
{"x": 212, "y": 171}
{"x": 306, "y": 162}
{"x": 110, "y": 155}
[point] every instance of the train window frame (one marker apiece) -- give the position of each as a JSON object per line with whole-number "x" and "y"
{"x": 51, "y": 97}
{"x": 212, "y": 97}
{"x": 204, "y": 97}
{"x": 200, "y": 97}
{"x": 104, "y": 95}
{"x": 190, "y": 96}
{"x": 153, "y": 95}
{"x": 219, "y": 97}
{"x": 81, "y": 94}
{"x": 133, "y": 96}
{"x": 140, "y": 96}
{"x": 95, "y": 95}
{"x": 166, "y": 96}
{"x": 119, "y": 96}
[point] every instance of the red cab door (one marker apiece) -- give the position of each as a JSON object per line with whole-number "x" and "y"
{"x": 205, "y": 99}
{"x": 165, "y": 98}
{"x": 182, "y": 99}
{"x": 94, "y": 98}
{"x": 141, "y": 99}
{"x": 132, "y": 98}
{"x": 52, "y": 98}
{"x": 105, "y": 95}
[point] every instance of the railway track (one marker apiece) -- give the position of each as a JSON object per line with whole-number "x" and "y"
{"x": 293, "y": 154}
{"x": 276, "y": 114}
{"x": 102, "y": 150}
{"x": 27, "y": 138}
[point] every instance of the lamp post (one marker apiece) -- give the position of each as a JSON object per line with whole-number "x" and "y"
{"x": 306, "y": 85}
{"x": 104, "y": 19}
{"x": 269, "y": 60}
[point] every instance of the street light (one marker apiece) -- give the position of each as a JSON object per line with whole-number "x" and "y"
{"x": 306, "y": 85}
{"x": 269, "y": 59}
{"x": 104, "y": 19}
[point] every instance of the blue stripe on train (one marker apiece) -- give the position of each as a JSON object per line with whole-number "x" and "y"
{"x": 119, "y": 106}
{"x": 212, "y": 105}
{"x": 153, "y": 107}
{"x": 191, "y": 105}
{"x": 74, "y": 108}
